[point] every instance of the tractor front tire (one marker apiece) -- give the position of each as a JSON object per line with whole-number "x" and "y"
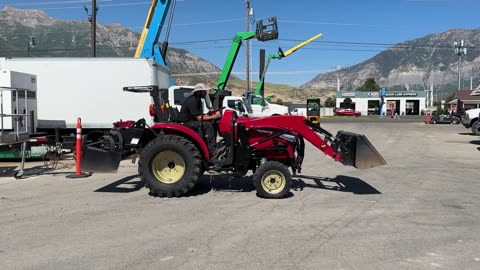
{"x": 170, "y": 166}
{"x": 476, "y": 128}
{"x": 272, "y": 180}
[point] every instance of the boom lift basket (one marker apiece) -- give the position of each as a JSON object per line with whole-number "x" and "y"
{"x": 267, "y": 29}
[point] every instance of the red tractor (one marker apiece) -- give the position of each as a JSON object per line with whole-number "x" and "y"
{"x": 173, "y": 157}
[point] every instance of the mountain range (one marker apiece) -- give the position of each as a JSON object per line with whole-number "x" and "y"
{"x": 410, "y": 65}
{"x": 414, "y": 65}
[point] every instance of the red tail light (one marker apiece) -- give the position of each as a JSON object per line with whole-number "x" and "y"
{"x": 151, "y": 110}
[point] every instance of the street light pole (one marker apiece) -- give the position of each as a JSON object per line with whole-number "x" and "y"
{"x": 338, "y": 68}
{"x": 31, "y": 45}
{"x": 459, "y": 50}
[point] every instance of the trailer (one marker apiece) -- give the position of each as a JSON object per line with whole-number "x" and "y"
{"x": 18, "y": 106}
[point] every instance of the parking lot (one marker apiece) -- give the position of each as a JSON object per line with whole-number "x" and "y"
{"x": 420, "y": 211}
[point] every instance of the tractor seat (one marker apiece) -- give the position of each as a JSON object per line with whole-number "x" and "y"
{"x": 174, "y": 115}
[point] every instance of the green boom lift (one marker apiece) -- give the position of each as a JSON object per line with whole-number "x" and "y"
{"x": 266, "y": 30}
{"x": 258, "y": 97}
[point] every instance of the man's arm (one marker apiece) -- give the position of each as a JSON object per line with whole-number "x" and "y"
{"x": 206, "y": 117}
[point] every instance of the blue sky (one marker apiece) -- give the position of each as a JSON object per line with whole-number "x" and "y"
{"x": 350, "y": 21}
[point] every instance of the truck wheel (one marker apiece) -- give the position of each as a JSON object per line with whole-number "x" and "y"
{"x": 170, "y": 166}
{"x": 272, "y": 180}
{"x": 476, "y": 128}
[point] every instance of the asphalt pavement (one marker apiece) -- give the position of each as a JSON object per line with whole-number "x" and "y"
{"x": 420, "y": 211}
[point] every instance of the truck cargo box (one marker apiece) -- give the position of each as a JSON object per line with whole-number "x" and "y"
{"x": 90, "y": 88}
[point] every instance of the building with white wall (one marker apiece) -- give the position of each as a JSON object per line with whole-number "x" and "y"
{"x": 402, "y": 102}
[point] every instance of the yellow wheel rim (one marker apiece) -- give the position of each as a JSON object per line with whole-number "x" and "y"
{"x": 273, "y": 182}
{"x": 168, "y": 167}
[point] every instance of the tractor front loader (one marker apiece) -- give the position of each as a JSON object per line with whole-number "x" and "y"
{"x": 172, "y": 157}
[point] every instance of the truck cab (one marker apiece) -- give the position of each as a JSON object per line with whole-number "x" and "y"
{"x": 178, "y": 94}
{"x": 262, "y": 107}
{"x": 299, "y": 111}
{"x": 471, "y": 120}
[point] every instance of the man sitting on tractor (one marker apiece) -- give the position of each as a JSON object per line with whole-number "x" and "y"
{"x": 194, "y": 118}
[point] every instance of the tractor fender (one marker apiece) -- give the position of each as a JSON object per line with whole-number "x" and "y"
{"x": 183, "y": 131}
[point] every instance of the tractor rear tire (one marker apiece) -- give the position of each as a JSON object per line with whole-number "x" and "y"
{"x": 170, "y": 166}
{"x": 272, "y": 180}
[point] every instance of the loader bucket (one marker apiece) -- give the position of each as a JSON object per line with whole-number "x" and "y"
{"x": 356, "y": 150}
{"x": 99, "y": 160}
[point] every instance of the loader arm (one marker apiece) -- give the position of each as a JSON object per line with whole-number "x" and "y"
{"x": 349, "y": 148}
{"x": 295, "y": 124}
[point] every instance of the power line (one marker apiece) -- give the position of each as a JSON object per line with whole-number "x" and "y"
{"x": 334, "y": 44}
{"x": 75, "y": 7}
{"x": 52, "y": 3}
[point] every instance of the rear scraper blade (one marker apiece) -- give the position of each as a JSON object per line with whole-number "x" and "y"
{"x": 99, "y": 160}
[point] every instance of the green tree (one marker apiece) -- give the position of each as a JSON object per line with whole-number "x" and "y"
{"x": 330, "y": 102}
{"x": 370, "y": 85}
{"x": 450, "y": 97}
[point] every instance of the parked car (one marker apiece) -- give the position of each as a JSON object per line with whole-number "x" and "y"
{"x": 373, "y": 111}
{"x": 347, "y": 112}
{"x": 445, "y": 119}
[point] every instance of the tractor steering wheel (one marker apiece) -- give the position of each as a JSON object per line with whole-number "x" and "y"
{"x": 215, "y": 122}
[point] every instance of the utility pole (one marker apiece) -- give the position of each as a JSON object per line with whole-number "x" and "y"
{"x": 92, "y": 18}
{"x": 247, "y": 45}
{"x": 459, "y": 50}
{"x": 94, "y": 28}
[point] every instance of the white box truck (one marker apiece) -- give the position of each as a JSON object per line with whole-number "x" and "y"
{"x": 90, "y": 88}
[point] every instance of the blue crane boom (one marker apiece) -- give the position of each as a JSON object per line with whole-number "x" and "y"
{"x": 148, "y": 44}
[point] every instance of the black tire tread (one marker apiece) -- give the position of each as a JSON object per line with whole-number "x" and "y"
{"x": 190, "y": 154}
{"x": 476, "y": 127}
{"x": 262, "y": 169}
